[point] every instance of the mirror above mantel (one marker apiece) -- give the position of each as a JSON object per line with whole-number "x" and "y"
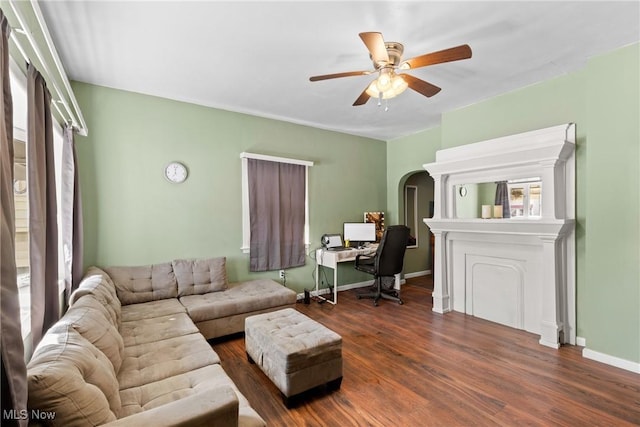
{"x": 521, "y": 199}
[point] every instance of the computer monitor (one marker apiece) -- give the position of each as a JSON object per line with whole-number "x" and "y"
{"x": 359, "y": 232}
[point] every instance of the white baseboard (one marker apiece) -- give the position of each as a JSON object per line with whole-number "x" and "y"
{"x": 417, "y": 274}
{"x": 611, "y": 360}
{"x": 606, "y": 358}
{"x": 323, "y": 291}
{"x": 355, "y": 285}
{"x": 346, "y": 287}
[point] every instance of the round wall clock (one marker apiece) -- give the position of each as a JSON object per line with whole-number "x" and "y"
{"x": 175, "y": 172}
{"x": 19, "y": 186}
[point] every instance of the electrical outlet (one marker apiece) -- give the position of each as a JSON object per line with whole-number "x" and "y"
{"x": 282, "y": 274}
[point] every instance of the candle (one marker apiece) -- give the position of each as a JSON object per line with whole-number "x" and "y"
{"x": 486, "y": 211}
{"x": 497, "y": 211}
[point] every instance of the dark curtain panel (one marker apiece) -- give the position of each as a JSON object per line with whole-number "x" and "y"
{"x": 12, "y": 368}
{"x": 43, "y": 226}
{"x": 277, "y": 212}
{"x": 502, "y": 198}
{"x": 71, "y": 214}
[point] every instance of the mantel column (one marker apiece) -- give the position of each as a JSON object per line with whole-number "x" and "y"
{"x": 552, "y": 285}
{"x": 439, "y": 196}
{"x": 441, "y": 292}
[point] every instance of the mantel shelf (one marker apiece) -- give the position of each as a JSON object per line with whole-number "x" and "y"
{"x": 523, "y": 227}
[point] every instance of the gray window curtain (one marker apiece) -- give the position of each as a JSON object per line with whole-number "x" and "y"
{"x": 43, "y": 226}
{"x": 502, "y": 198}
{"x": 71, "y": 209}
{"x": 12, "y": 368}
{"x": 277, "y": 213}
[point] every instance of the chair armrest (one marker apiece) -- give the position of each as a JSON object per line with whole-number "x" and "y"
{"x": 218, "y": 407}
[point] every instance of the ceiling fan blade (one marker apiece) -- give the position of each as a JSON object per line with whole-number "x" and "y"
{"x": 446, "y": 55}
{"x": 377, "y": 49}
{"x": 362, "y": 99}
{"x": 420, "y": 86}
{"x": 337, "y": 75}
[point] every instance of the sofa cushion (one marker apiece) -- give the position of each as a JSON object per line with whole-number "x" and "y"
{"x": 69, "y": 376}
{"x": 146, "y": 363}
{"x": 156, "y": 329}
{"x": 144, "y": 283}
{"x": 152, "y": 309}
{"x": 152, "y": 395}
{"x": 243, "y": 297}
{"x": 98, "y": 283}
{"x": 199, "y": 276}
{"x": 218, "y": 407}
{"x": 91, "y": 319}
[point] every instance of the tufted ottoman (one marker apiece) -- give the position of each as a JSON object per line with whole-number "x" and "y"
{"x": 294, "y": 351}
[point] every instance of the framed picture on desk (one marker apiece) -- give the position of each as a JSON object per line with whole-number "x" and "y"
{"x": 378, "y": 219}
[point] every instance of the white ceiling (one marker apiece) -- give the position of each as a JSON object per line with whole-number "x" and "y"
{"x": 257, "y": 57}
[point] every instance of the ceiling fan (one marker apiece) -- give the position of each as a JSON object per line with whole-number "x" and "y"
{"x": 387, "y": 59}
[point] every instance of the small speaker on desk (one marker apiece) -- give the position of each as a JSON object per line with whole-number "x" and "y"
{"x": 307, "y": 297}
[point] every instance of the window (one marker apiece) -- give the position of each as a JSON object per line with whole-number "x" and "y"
{"x": 21, "y": 192}
{"x": 246, "y": 227}
{"x": 525, "y": 198}
{"x": 21, "y": 205}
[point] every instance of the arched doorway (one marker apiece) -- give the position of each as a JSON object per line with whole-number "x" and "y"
{"x": 415, "y": 199}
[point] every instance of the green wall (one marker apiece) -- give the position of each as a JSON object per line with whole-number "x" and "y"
{"x": 610, "y": 292}
{"x": 487, "y": 194}
{"x": 602, "y": 99}
{"x": 133, "y": 216}
{"x": 469, "y": 205}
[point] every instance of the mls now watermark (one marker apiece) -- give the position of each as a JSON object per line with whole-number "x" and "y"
{"x": 24, "y": 414}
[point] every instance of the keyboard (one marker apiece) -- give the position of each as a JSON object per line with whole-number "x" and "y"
{"x": 339, "y": 248}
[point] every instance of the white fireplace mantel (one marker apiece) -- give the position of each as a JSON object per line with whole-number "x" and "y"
{"x": 518, "y": 272}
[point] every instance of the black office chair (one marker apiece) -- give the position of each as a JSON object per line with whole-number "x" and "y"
{"x": 387, "y": 262}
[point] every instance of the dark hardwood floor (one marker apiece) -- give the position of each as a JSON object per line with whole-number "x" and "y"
{"x": 405, "y": 365}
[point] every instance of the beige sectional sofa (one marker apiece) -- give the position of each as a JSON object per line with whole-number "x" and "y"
{"x": 131, "y": 348}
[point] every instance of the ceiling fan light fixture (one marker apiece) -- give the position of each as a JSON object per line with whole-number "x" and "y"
{"x": 387, "y": 59}
{"x": 387, "y": 86}
{"x": 383, "y": 83}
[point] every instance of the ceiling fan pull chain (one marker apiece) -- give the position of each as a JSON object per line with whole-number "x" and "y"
{"x": 386, "y": 105}
{"x": 379, "y": 99}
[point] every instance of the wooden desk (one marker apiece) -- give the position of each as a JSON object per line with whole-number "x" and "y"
{"x": 331, "y": 259}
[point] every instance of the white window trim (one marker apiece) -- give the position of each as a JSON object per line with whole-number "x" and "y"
{"x": 246, "y": 225}
{"x": 525, "y": 184}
